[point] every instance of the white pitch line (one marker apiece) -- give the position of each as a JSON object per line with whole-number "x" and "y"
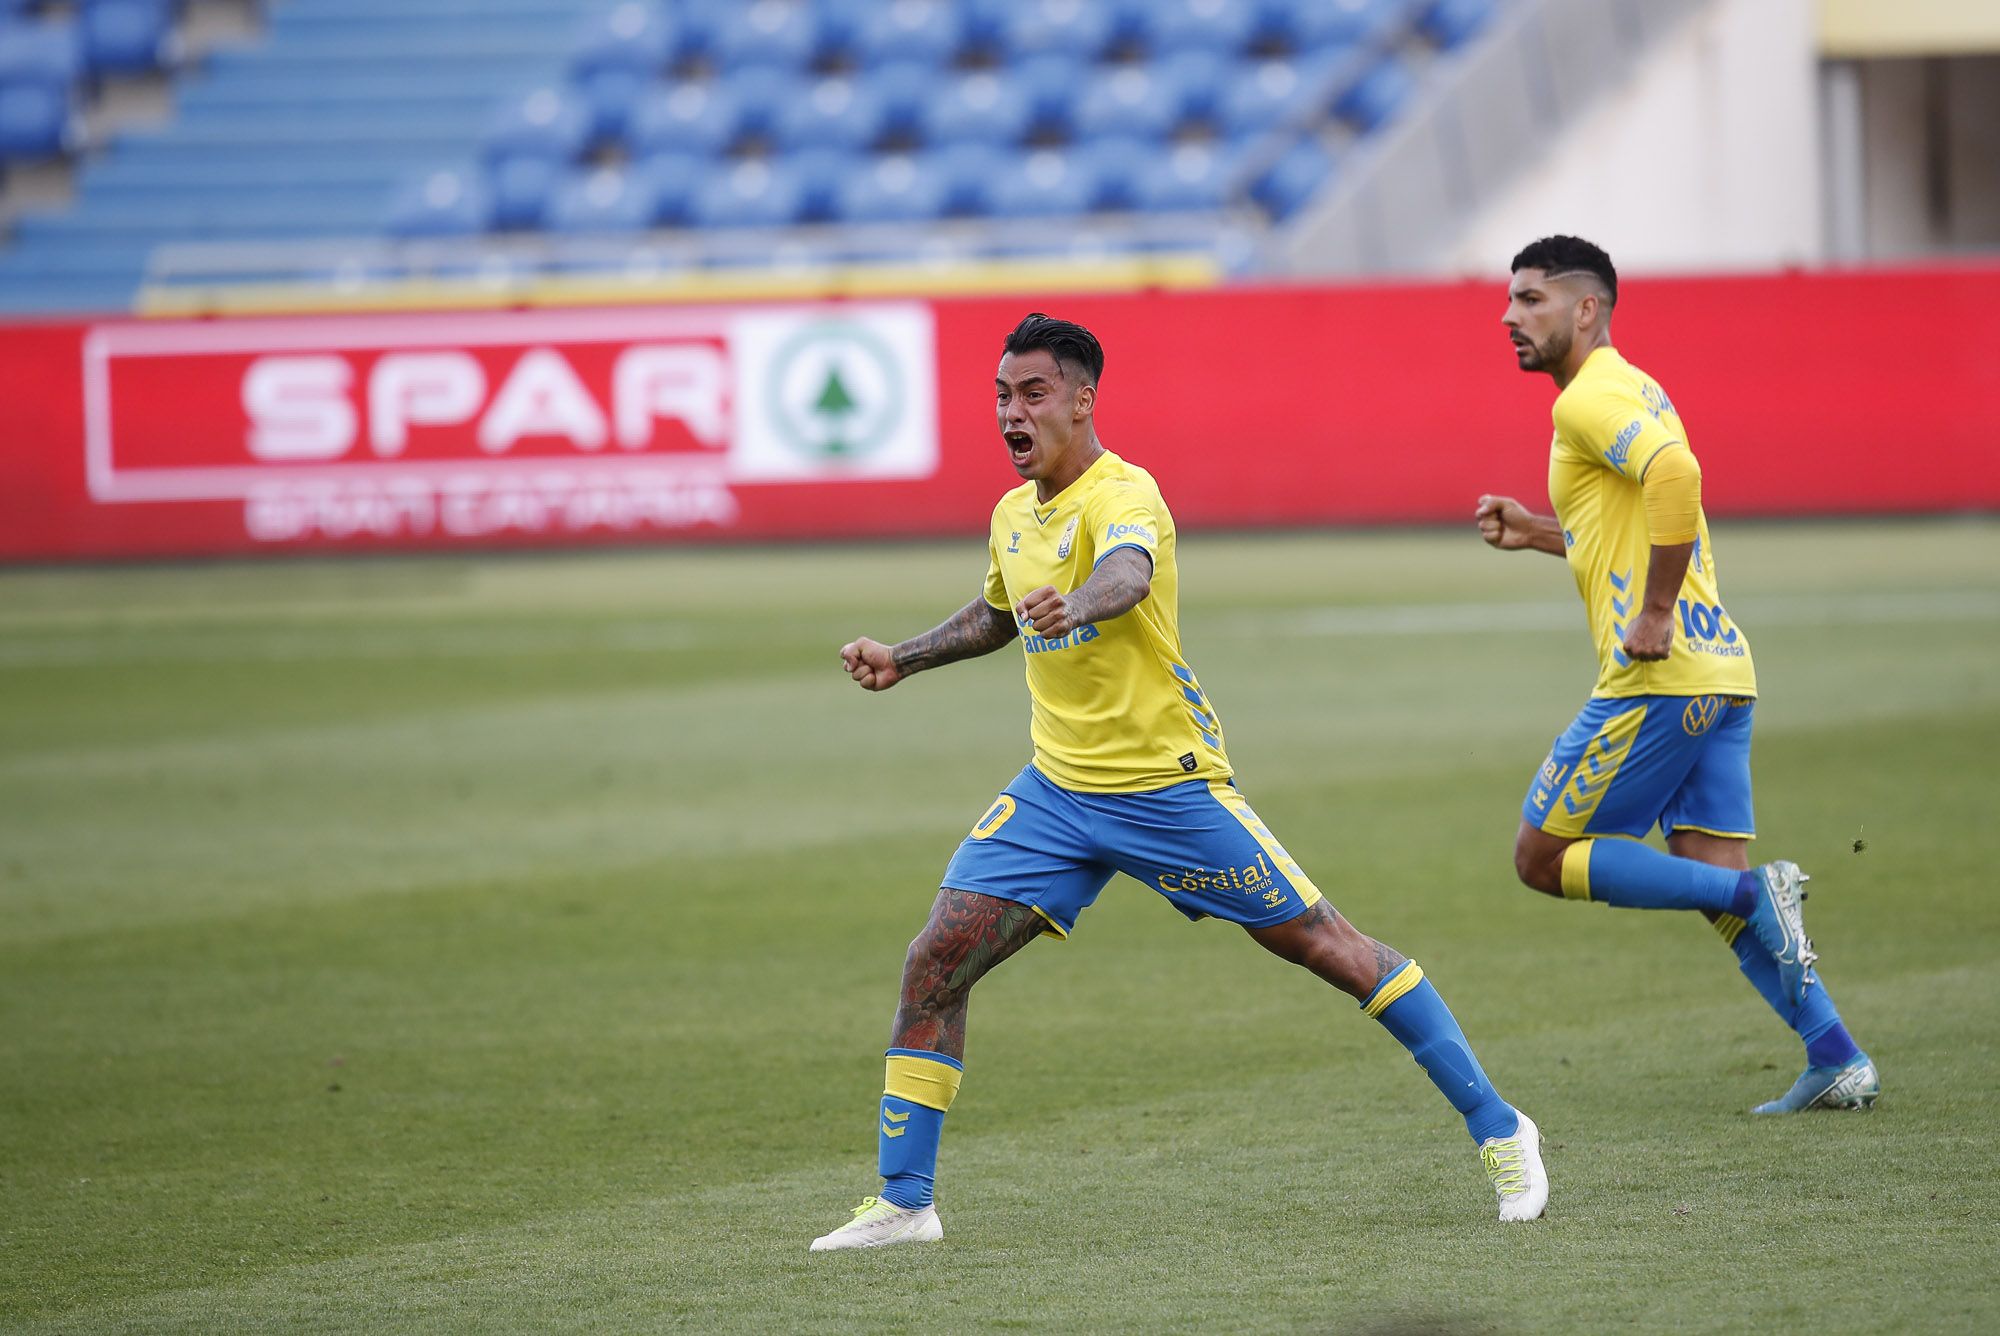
{"x": 1876, "y": 609}
{"x": 334, "y": 645}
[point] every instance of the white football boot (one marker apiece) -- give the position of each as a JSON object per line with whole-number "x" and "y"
{"x": 878, "y": 1223}
{"x": 1515, "y": 1165}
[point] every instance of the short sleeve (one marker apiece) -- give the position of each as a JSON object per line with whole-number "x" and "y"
{"x": 1616, "y": 429}
{"x": 1122, "y": 515}
{"x": 996, "y": 584}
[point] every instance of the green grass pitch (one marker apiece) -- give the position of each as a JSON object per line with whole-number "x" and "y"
{"x": 509, "y": 944}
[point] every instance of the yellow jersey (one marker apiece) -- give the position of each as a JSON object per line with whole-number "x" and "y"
{"x": 1115, "y": 707}
{"x": 1611, "y": 422}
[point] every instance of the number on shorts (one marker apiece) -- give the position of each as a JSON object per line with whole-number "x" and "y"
{"x": 996, "y": 817}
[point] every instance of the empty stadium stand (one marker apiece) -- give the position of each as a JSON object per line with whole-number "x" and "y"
{"x": 357, "y": 143}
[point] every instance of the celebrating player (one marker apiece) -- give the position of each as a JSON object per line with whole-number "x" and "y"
{"x": 1129, "y": 775}
{"x": 1665, "y": 736}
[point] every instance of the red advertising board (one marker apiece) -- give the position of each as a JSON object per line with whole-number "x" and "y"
{"x": 1805, "y": 394}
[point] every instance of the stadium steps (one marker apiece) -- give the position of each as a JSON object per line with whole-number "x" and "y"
{"x": 305, "y": 132}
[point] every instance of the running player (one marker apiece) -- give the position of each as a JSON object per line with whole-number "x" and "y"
{"x": 1129, "y": 775}
{"x": 1665, "y": 737}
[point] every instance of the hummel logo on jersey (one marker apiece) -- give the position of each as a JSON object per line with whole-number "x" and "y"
{"x": 1015, "y": 546}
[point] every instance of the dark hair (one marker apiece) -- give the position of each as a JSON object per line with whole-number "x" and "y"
{"x": 1561, "y": 256}
{"x": 1069, "y": 343}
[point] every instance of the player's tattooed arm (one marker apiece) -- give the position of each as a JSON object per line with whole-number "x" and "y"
{"x": 968, "y": 934}
{"x": 1120, "y": 582}
{"x": 975, "y": 629}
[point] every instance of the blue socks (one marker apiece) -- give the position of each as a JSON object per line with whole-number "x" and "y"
{"x": 917, "y": 1089}
{"x": 1411, "y": 1010}
{"x": 1630, "y": 875}
{"x": 1815, "y": 1019}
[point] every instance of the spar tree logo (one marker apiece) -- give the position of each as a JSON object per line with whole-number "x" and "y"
{"x": 836, "y": 392}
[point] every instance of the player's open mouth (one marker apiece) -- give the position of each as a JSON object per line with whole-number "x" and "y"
{"x": 1019, "y": 446}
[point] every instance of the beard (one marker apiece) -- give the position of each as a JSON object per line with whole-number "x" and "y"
{"x": 1542, "y": 356}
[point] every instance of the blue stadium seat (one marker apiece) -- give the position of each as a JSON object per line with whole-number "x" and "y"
{"x": 906, "y": 88}
{"x": 1079, "y": 29}
{"x": 550, "y": 122}
{"x": 1116, "y": 166}
{"x": 47, "y": 52}
{"x": 1188, "y": 177}
{"x": 621, "y": 55}
{"x": 690, "y": 117}
{"x": 1219, "y": 27}
{"x": 893, "y": 188}
{"x": 1269, "y": 92}
{"x": 1373, "y": 100}
{"x": 835, "y": 112}
{"x": 978, "y": 107}
{"x": 1052, "y": 84}
{"x": 671, "y": 179}
{"x": 128, "y": 36}
{"x": 820, "y": 172}
{"x": 968, "y": 172}
{"x": 37, "y": 120}
{"x": 1131, "y": 100}
{"x": 761, "y": 92}
{"x": 1317, "y": 24}
{"x": 449, "y": 202}
{"x": 1295, "y": 177}
{"x": 749, "y": 194}
{"x": 1452, "y": 23}
{"x": 603, "y": 199}
{"x": 873, "y": 32}
{"x": 1040, "y": 183}
{"x": 1198, "y": 81}
{"x": 520, "y": 188}
{"x": 784, "y": 33}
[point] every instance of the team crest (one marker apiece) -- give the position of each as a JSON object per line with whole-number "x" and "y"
{"x": 1068, "y": 538}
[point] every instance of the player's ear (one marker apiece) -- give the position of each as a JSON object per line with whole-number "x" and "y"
{"x": 1086, "y": 399}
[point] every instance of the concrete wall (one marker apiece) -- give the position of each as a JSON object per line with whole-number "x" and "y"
{"x": 1929, "y": 156}
{"x": 1705, "y": 158}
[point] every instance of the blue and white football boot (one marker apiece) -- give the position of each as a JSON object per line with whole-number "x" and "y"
{"x": 1853, "y": 1086}
{"x": 1780, "y": 926}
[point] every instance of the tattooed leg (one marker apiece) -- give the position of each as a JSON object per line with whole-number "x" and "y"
{"x": 1331, "y": 947}
{"x": 968, "y": 934}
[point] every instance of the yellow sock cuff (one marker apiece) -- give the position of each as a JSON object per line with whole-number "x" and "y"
{"x": 921, "y": 1081}
{"x": 1576, "y": 870}
{"x": 1729, "y": 926}
{"x": 1408, "y": 976}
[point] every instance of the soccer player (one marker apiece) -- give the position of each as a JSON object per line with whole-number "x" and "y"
{"x": 1665, "y": 736}
{"x": 1129, "y": 775}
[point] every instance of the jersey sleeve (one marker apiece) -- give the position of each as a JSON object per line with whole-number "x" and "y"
{"x": 1615, "y": 428}
{"x": 1122, "y": 515}
{"x": 996, "y": 584}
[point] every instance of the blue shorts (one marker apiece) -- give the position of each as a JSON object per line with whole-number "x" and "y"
{"x": 1623, "y": 765}
{"x": 1197, "y": 843}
